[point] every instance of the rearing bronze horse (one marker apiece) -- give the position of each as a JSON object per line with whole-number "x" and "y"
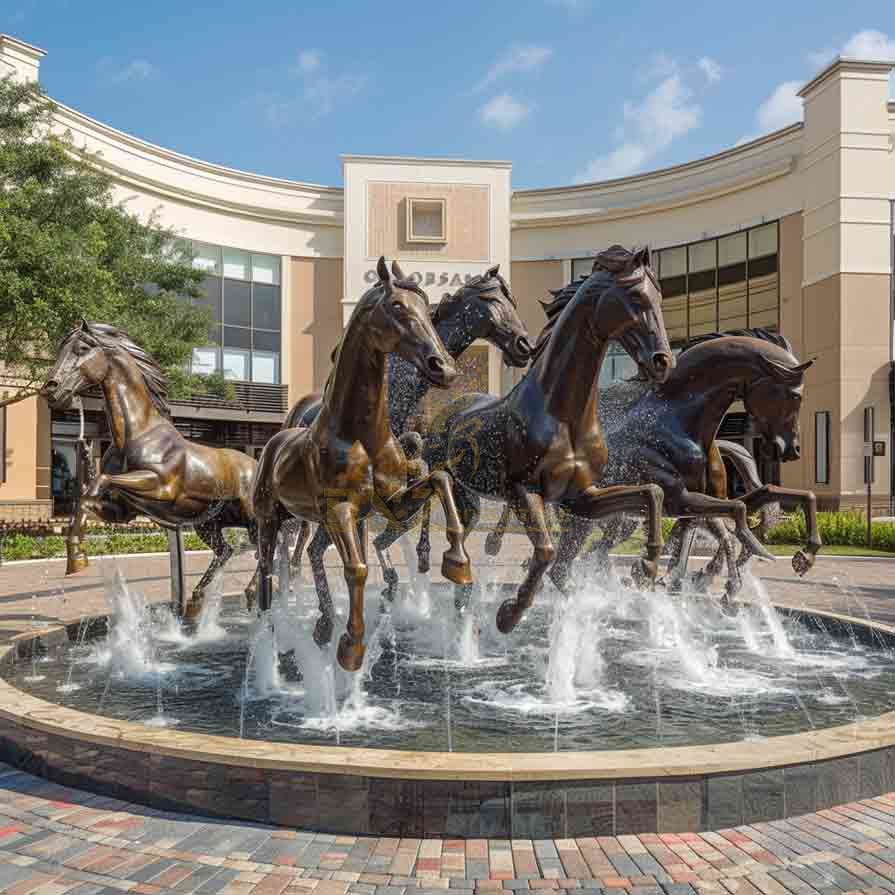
{"x": 348, "y": 462}
{"x": 150, "y": 468}
{"x": 542, "y": 443}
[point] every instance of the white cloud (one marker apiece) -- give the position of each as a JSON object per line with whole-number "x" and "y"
{"x": 319, "y": 94}
{"x": 118, "y": 73}
{"x": 517, "y": 58}
{"x": 308, "y": 61}
{"x": 658, "y": 67}
{"x": 869, "y": 44}
{"x": 504, "y": 112}
{"x": 665, "y": 113}
{"x": 782, "y": 107}
{"x": 711, "y": 69}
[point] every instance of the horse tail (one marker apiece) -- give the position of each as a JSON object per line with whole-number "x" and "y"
{"x": 742, "y": 461}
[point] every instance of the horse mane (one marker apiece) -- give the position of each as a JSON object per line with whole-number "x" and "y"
{"x": 479, "y": 284}
{"x": 765, "y": 335}
{"x": 614, "y": 261}
{"x": 109, "y": 337}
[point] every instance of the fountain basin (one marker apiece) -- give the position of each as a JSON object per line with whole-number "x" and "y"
{"x": 397, "y": 792}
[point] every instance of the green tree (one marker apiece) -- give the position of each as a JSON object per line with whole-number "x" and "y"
{"x": 70, "y": 250}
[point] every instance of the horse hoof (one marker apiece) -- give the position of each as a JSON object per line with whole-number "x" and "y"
{"x": 423, "y": 563}
{"x": 323, "y": 631}
{"x": 492, "y": 544}
{"x": 802, "y": 562}
{"x": 390, "y": 577}
{"x": 507, "y": 616}
{"x": 644, "y": 572}
{"x": 350, "y": 653}
{"x": 674, "y": 586}
{"x": 455, "y": 570}
{"x": 77, "y": 562}
{"x": 193, "y": 608}
{"x": 728, "y": 606}
{"x": 250, "y": 600}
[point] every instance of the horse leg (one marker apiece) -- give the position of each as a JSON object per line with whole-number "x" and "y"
{"x": 595, "y": 502}
{"x": 494, "y": 541}
{"x": 469, "y": 506}
{"x": 789, "y": 497}
{"x": 726, "y": 543}
{"x": 381, "y": 543}
{"x": 251, "y": 590}
{"x": 529, "y": 510}
{"x": 404, "y": 504}
{"x": 323, "y": 630}
{"x": 683, "y": 534}
{"x": 212, "y": 535}
{"x": 268, "y": 531}
{"x": 341, "y": 524}
{"x": 574, "y": 533}
{"x": 304, "y": 530}
{"x": 424, "y": 546}
{"x": 703, "y": 578}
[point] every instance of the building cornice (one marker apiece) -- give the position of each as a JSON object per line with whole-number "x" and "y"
{"x": 25, "y": 49}
{"x": 727, "y": 172}
{"x": 423, "y": 160}
{"x": 843, "y": 64}
{"x": 214, "y": 175}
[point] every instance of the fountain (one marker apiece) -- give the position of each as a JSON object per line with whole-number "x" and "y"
{"x": 610, "y": 706}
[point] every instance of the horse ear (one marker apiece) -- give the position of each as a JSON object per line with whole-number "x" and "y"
{"x": 644, "y": 256}
{"x": 783, "y": 373}
{"x": 85, "y": 326}
{"x": 397, "y": 273}
{"x": 492, "y": 272}
{"x": 382, "y": 271}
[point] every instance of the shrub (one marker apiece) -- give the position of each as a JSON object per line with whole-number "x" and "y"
{"x": 843, "y": 529}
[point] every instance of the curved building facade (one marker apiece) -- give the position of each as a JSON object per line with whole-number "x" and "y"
{"x": 793, "y": 231}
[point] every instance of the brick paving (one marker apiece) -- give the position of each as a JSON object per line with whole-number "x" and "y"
{"x": 54, "y": 839}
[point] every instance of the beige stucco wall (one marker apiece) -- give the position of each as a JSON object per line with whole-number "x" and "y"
{"x": 315, "y": 322}
{"x": 23, "y": 451}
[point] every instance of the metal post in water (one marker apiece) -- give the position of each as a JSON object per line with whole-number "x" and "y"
{"x": 178, "y": 570}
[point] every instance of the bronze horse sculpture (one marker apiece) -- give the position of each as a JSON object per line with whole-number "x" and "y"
{"x": 665, "y": 434}
{"x": 150, "y": 468}
{"x": 542, "y": 443}
{"x": 348, "y": 462}
{"x": 482, "y": 308}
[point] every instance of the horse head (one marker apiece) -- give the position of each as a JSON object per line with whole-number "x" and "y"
{"x": 400, "y": 323}
{"x": 629, "y": 309}
{"x": 774, "y": 401}
{"x": 484, "y": 308}
{"x": 82, "y": 363}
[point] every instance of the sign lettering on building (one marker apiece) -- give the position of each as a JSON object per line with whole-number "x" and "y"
{"x": 430, "y": 278}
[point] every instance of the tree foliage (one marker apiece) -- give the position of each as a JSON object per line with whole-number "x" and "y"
{"x": 70, "y": 250}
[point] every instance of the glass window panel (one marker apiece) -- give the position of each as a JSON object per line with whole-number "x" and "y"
{"x": 236, "y": 264}
{"x": 205, "y": 360}
{"x": 674, "y": 310}
{"x": 265, "y": 306}
{"x": 731, "y": 249}
{"x": 266, "y": 269}
{"x": 763, "y": 291}
{"x": 265, "y": 366}
{"x": 207, "y": 258}
{"x": 267, "y": 341}
{"x": 236, "y": 364}
{"x": 702, "y": 256}
{"x": 237, "y": 303}
{"x": 582, "y": 267}
{"x": 237, "y": 337}
{"x": 731, "y": 304}
{"x": 703, "y": 302}
{"x": 763, "y": 241}
{"x": 672, "y": 286}
{"x": 764, "y": 319}
{"x": 673, "y": 261}
{"x": 211, "y": 299}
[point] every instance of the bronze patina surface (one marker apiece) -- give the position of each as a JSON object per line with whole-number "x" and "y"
{"x": 150, "y": 469}
{"x": 542, "y": 443}
{"x": 483, "y": 308}
{"x": 348, "y": 462}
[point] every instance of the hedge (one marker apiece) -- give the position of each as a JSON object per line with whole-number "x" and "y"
{"x": 842, "y": 529}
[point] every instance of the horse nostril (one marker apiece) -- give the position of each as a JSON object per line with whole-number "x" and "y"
{"x": 660, "y": 362}
{"x": 436, "y": 364}
{"x": 49, "y": 387}
{"x": 523, "y": 346}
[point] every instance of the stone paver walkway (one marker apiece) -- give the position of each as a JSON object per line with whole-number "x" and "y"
{"x": 54, "y": 839}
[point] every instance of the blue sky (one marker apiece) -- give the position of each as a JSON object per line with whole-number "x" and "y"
{"x": 568, "y": 90}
